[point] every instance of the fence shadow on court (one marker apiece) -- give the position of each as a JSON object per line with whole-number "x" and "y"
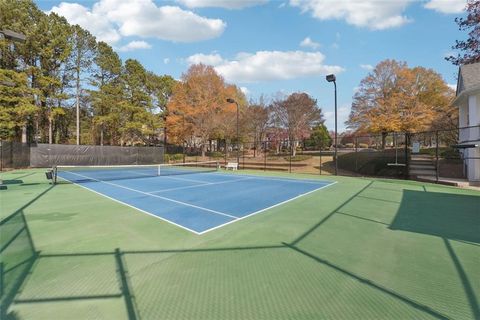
{"x": 438, "y": 214}
{"x": 106, "y": 275}
{"x": 125, "y": 291}
{"x": 17, "y": 252}
{"x": 435, "y": 214}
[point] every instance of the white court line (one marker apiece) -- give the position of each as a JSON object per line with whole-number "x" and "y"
{"x": 129, "y": 205}
{"x": 156, "y": 196}
{"x": 183, "y": 179}
{"x": 270, "y": 178}
{"x": 264, "y": 209}
{"x": 211, "y": 229}
{"x": 199, "y": 185}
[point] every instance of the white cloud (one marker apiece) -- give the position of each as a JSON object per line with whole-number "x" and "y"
{"x": 135, "y": 45}
{"x": 309, "y": 43}
{"x": 245, "y": 91}
{"x": 111, "y": 19}
{"x": 446, "y": 6}
{"x": 95, "y": 22}
{"x": 213, "y": 59}
{"x": 367, "y": 67}
{"x": 166, "y": 60}
{"x": 342, "y": 116}
{"x": 226, "y": 4}
{"x": 373, "y": 14}
{"x": 267, "y": 65}
{"x": 452, "y": 86}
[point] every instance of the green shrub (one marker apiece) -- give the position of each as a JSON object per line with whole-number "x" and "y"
{"x": 349, "y": 145}
{"x": 215, "y": 154}
{"x": 173, "y": 157}
{"x": 363, "y": 145}
{"x": 299, "y": 157}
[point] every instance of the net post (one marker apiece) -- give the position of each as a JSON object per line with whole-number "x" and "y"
{"x": 54, "y": 175}
{"x": 159, "y": 170}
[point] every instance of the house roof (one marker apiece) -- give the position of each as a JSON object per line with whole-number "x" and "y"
{"x": 468, "y": 80}
{"x": 468, "y": 77}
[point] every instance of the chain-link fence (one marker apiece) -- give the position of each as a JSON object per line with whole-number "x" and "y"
{"x": 449, "y": 154}
{"x": 432, "y": 155}
{"x": 14, "y": 155}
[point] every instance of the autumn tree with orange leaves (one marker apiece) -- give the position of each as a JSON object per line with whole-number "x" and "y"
{"x": 198, "y": 111}
{"x": 394, "y": 97}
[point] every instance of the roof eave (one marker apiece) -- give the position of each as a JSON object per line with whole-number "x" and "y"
{"x": 464, "y": 94}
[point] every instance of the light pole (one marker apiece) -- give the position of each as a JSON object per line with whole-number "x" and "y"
{"x": 230, "y": 100}
{"x": 332, "y": 78}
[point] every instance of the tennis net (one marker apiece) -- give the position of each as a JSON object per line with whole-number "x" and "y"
{"x": 78, "y": 174}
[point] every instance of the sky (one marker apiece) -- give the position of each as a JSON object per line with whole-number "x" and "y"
{"x": 271, "y": 46}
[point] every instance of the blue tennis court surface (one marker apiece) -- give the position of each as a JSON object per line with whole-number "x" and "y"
{"x": 198, "y": 202}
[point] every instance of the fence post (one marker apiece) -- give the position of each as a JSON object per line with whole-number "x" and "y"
{"x": 243, "y": 157}
{"x": 320, "y": 156}
{"x": 226, "y": 151}
{"x": 407, "y": 158}
{"x": 437, "y": 161}
{"x": 356, "y": 154}
{"x": 265, "y": 146}
{"x": 290, "y": 158}
{"x": 183, "y": 151}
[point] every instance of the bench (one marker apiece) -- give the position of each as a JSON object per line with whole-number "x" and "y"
{"x": 231, "y": 165}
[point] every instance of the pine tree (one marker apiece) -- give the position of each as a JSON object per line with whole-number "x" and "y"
{"x": 106, "y": 77}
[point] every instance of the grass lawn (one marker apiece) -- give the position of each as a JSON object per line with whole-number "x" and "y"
{"x": 359, "y": 249}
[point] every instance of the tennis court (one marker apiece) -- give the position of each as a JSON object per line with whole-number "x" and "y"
{"x": 193, "y": 196}
{"x": 360, "y": 248}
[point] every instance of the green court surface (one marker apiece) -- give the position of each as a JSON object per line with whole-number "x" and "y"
{"x": 359, "y": 249}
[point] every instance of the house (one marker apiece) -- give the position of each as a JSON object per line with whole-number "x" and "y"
{"x": 468, "y": 103}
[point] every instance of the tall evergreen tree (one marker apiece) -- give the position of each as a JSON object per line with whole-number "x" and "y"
{"x": 81, "y": 59}
{"x": 54, "y": 49}
{"x": 16, "y": 103}
{"x": 106, "y": 99}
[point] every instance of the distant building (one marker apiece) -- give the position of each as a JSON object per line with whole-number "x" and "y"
{"x": 468, "y": 103}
